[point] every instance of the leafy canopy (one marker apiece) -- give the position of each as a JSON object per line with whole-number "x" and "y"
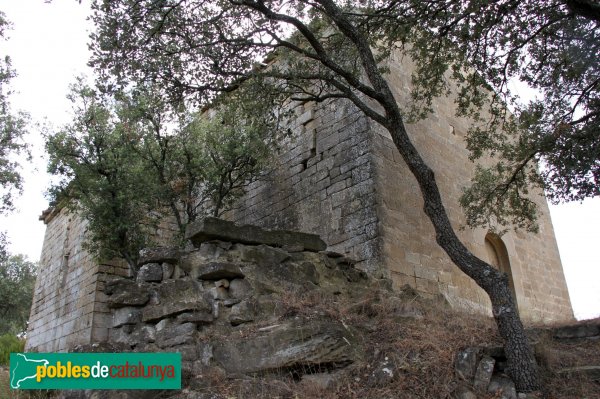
{"x": 327, "y": 50}
{"x": 129, "y": 160}
{"x": 552, "y": 47}
{"x": 12, "y": 128}
{"x": 17, "y": 280}
{"x": 106, "y": 184}
{"x": 197, "y": 48}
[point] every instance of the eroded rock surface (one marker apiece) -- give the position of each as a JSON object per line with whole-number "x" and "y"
{"x": 217, "y": 229}
{"x": 227, "y": 305}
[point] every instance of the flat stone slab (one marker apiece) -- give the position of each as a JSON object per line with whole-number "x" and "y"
{"x": 154, "y": 313}
{"x": 158, "y": 255}
{"x": 217, "y": 229}
{"x": 301, "y": 344}
{"x": 125, "y": 292}
{"x": 150, "y": 272}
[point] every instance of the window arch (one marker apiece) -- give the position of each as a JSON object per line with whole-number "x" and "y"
{"x": 498, "y": 257}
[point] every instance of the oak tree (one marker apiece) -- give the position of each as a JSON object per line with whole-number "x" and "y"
{"x": 549, "y": 143}
{"x": 99, "y": 177}
{"x": 12, "y": 129}
{"x": 327, "y": 50}
{"x": 128, "y": 160}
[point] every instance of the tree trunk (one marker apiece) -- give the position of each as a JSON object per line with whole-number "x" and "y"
{"x": 521, "y": 362}
{"x": 522, "y": 367}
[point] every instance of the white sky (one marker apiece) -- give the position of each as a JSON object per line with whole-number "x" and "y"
{"x": 48, "y": 47}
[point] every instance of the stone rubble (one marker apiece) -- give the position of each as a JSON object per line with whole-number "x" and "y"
{"x": 188, "y": 300}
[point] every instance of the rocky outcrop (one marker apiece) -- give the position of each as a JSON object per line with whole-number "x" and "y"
{"x": 481, "y": 371}
{"x": 217, "y": 229}
{"x": 304, "y": 346}
{"x": 224, "y": 303}
{"x": 258, "y": 319}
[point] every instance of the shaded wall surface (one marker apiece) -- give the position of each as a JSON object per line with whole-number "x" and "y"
{"x": 324, "y": 184}
{"x": 69, "y": 306}
{"x": 342, "y": 177}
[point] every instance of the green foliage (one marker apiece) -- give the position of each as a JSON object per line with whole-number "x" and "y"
{"x": 550, "y": 46}
{"x": 9, "y": 343}
{"x": 130, "y": 159}
{"x": 17, "y": 280}
{"x": 330, "y": 50}
{"x": 235, "y": 150}
{"x": 481, "y": 45}
{"x": 202, "y": 166}
{"x": 100, "y": 177}
{"x": 12, "y": 129}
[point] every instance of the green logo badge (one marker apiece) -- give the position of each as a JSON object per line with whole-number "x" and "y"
{"x": 95, "y": 371}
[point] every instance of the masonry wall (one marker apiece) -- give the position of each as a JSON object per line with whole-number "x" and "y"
{"x": 409, "y": 249}
{"x": 323, "y": 184}
{"x": 69, "y": 307}
{"x": 342, "y": 178}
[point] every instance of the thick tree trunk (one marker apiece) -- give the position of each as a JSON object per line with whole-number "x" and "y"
{"x": 522, "y": 367}
{"x": 521, "y": 362}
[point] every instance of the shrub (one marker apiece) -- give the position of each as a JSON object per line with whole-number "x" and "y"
{"x": 9, "y": 343}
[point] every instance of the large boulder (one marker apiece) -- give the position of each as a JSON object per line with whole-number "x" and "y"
{"x": 158, "y": 255}
{"x": 175, "y": 297}
{"x": 215, "y": 271}
{"x": 126, "y": 315}
{"x": 209, "y": 229}
{"x": 125, "y": 292}
{"x": 270, "y": 277}
{"x": 150, "y": 272}
{"x": 176, "y": 334}
{"x": 298, "y": 345}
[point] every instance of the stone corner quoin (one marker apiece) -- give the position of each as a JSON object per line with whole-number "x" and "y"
{"x": 341, "y": 181}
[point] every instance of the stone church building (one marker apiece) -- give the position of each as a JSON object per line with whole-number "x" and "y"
{"x": 341, "y": 177}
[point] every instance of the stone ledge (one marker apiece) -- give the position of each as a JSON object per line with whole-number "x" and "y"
{"x": 217, "y": 229}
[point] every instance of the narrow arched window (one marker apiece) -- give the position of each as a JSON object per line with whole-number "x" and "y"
{"x": 498, "y": 257}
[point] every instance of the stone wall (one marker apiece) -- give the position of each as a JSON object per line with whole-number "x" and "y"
{"x": 226, "y": 303}
{"x": 338, "y": 176}
{"x": 268, "y": 313}
{"x": 409, "y": 248}
{"x": 342, "y": 178}
{"x": 324, "y": 184}
{"x": 69, "y": 307}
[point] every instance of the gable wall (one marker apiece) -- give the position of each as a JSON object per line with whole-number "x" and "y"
{"x": 69, "y": 307}
{"x": 409, "y": 249}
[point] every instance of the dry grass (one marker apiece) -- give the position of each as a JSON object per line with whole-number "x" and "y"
{"x": 416, "y": 338}
{"x": 7, "y": 393}
{"x": 420, "y": 348}
{"x": 556, "y": 354}
{"x": 419, "y": 338}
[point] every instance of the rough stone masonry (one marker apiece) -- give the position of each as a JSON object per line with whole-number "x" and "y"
{"x": 338, "y": 176}
{"x": 341, "y": 177}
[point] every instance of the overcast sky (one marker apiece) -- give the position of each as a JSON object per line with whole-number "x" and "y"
{"x": 48, "y": 48}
